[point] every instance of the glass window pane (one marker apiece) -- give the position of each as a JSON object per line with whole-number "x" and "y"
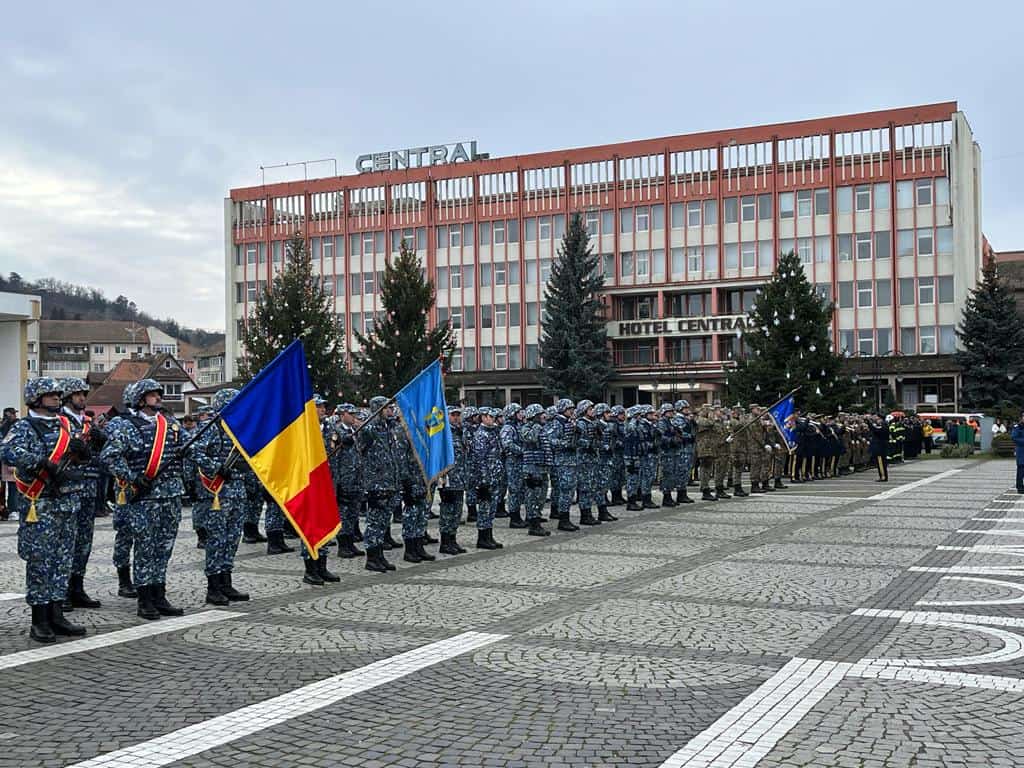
{"x": 923, "y": 188}
{"x": 626, "y": 264}
{"x": 442, "y": 278}
{"x": 693, "y": 213}
{"x": 908, "y": 341}
{"x": 942, "y": 191}
{"x": 676, "y": 213}
{"x": 845, "y": 294}
{"x": 657, "y": 217}
{"x": 485, "y": 233}
{"x": 732, "y": 255}
{"x": 884, "y": 336}
{"x": 864, "y": 298}
{"x": 925, "y": 244}
{"x": 862, "y": 195}
{"x": 710, "y": 212}
{"x": 764, "y": 207}
{"x": 863, "y": 246}
{"x": 926, "y": 290}
{"x": 944, "y": 241}
{"x": 803, "y": 203}
{"x": 883, "y": 292}
{"x": 947, "y": 339}
{"x": 927, "y": 340}
{"x": 677, "y": 263}
{"x": 786, "y": 205}
{"x": 882, "y": 196}
{"x": 765, "y": 256}
{"x": 904, "y": 194}
{"x": 906, "y": 286}
{"x": 845, "y": 247}
{"x": 485, "y": 275}
{"x": 559, "y": 224}
{"x": 946, "y": 289}
{"x": 904, "y": 242}
{"x": 747, "y": 207}
{"x": 844, "y": 200}
{"x": 823, "y": 249}
{"x": 821, "y": 202}
{"x": 803, "y": 249}
{"x": 882, "y": 246}
{"x": 607, "y": 222}
{"x": 748, "y": 251}
{"x": 531, "y": 230}
{"x": 512, "y": 230}
{"x": 732, "y": 210}
{"x": 626, "y": 220}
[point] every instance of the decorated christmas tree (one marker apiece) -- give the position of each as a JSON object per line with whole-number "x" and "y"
{"x": 400, "y": 345}
{"x": 788, "y": 345}
{"x": 296, "y": 307}
{"x": 574, "y": 342}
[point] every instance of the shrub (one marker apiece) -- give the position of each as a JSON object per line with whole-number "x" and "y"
{"x": 1002, "y": 445}
{"x": 956, "y": 451}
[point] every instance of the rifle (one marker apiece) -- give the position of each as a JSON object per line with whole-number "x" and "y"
{"x": 371, "y": 417}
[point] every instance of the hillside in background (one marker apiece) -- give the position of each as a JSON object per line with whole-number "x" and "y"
{"x": 66, "y": 301}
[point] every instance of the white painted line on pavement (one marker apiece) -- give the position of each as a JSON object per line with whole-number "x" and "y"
{"x": 993, "y": 531}
{"x": 191, "y": 740}
{"x": 937, "y": 677}
{"x": 4, "y": 596}
{"x": 114, "y": 638}
{"x": 1010, "y": 585}
{"x": 983, "y": 570}
{"x": 751, "y": 729}
{"x": 938, "y": 617}
{"x": 998, "y": 519}
{"x": 911, "y": 486}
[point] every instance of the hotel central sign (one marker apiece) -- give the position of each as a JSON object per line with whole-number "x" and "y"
{"x": 419, "y": 157}
{"x": 682, "y": 326}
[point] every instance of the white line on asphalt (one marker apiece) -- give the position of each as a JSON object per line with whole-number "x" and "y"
{"x": 984, "y": 570}
{"x": 998, "y": 519}
{"x": 992, "y": 531}
{"x": 113, "y": 638}
{"x": 938, "y": 617}
{"x": 910, "y": 486}
{"x": 4, "y": 596}
{"x": 751, "y": 729}
{"x": 191, "y": 740}
{"x": 937, "y": 677}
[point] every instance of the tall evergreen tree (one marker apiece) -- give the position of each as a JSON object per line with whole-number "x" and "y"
{"x": 788, "y": 346}
{"x": 400, "y": 344}
{"x": 296, "y": 307}
{"x": 574, "y": 341}
{"x": 991, "y": 334}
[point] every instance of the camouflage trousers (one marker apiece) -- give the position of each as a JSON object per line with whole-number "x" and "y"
{"x": 685, "y": 466}
{"x": 451, "y": 509}
{"x": 154, "y": 526}
{"x": 379, "y": 505}
{"x": 605, "y": 472}
{"x": 253, "y": 507}
{"x": 737, "y": 463}
{"x": 648, "y": 470}
{"x": 85, "y": 523}
{"x": 712, "y": 472}
{"x": 587, "y": 481}
{"x": 46, "y": 546}
{"x": 275, "y": 519}
{"x": 514, "y": 485}
{"x": 201, "y": 509}
{"x": 123, "y": 536}
{"x": 349, "y": 505}
{"x": 759, "y": 461}
{"x": 632, "y": 478}
{"x": 533, "y": 491}
{"x": 565, "y": 476}
{"x": 618, "y": 479}
{"x": 670, "y": 468}
{"x": 224, "y": 530}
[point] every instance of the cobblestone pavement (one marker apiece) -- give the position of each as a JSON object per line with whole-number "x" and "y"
{"x": 836, "y": 623}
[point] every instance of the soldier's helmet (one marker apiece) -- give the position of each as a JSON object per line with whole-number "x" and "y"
{"x": 204, "y": 409}
{"x": 666, "y": 408}
{"x": 512, "y": 409}
{"x": 680, "y": 404}
{"x": 469, "y": 412}
{"x": 533, "y": 410}
{"x": 140, "y": 389}
{"x": 68, "y": 387}
{"x": 346, "y": 408}
{"x": 551, "y": 410}
{"x": 632, "y": 411}
{"x": 362, "y": 414}
{"x": 319, "y": 399}
{"x": 563, "y": 405}
{"x": 223, "y": 397}
{"x": 601, "y": 409}
{"x": 36, "y": 388}
{"x": 646, "y": 409}
{"x": 376, "y": 403}
{"x": 618, "y": 410}
{"x": 454, "y": 409}
{"x": 583, "y": 406}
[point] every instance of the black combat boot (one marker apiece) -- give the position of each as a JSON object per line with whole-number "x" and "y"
{"x": 389, "y": 541}
{"x": 537, "y": 527}
{"x": 357, "y": 535}
{"x": 448, "y": 545}
{"x": 60, "y": 625}
{"x": 604, "y": 515}
{"x": 398, "y": 516}
{"x": 682, "y": 497}
{"x": 200, "y": 538}
{"x": 721, "y": 494}
{"x": 41, "y": 631}
{"x": 634, "y": 504}
{"x": 649, "y": 502}
{"x": 517, "y": 519}
{"x": 565, "y": 524}
{"x": 163, "y": 607}
{"x": 312, "y": 574}
{"x": 124, "y": 582}
{"x": 146, "y": 608}
{"x": 411, "y": 555}
{"x": 587, "y": 517}
{"x": 77, "y": 594}
{"x": 737, "y": 490}
{"x": 375, "y": 560}
{"x": 767, "y": 486}
{"x": 667, "y": 500}
{"x": 289, "y": 530}
{"x": 66, "y": 604}
{"x": 501, "y": 510}
{"x": 485, "y": 540}
{"x": 471, "y": 513}
{"x": 228, "y": 590}
{"x": 778, "y": 484}
{"x": 617, "y": 500}
{"x": 213, "y": 594}
{"x": 707, "y": 495}
{"x": 321, "y": 566}
{"x": 251, "y": 534}
{"x": 276, "y": 544}
{"x": 755, "y": 487}
{"x": 424, "y": 555}
{"x": 347, "y": 548}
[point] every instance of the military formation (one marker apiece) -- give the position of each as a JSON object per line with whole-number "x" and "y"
{"x": 529, "y": 465}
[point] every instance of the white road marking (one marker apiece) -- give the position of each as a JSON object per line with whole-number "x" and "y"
{"x": 1013, "y": 648}
{"x": 993, "y": 531}
{"x": 191, "y": 740}
{"x": 984, "y": 570}
{"x": 4, "y": 596}
{"x": 911, "y": 486}
{"x": 998, "y": 519}
{"x": 938, "y": 617}
{"x": 106, "y": 639}
{"x": 751, "y": 729}
{"x": 937, "y": 677}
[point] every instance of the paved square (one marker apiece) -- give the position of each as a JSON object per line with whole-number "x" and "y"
{"x": 816, "y": 627}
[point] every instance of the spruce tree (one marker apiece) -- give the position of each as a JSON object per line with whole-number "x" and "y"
{"x": 296, "y": 307}
{"x": 788, "y": 345}
{"x": 400, "y": 345}
{"x": 991, "y": 334}
{"x": 574, "y": 340}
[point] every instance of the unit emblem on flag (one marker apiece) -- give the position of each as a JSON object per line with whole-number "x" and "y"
{"x": 435, "y": 421}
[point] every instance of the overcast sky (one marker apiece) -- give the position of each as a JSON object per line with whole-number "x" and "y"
{"x": 123, "y": 125}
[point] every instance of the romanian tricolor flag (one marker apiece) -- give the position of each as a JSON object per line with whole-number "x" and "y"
{"x": 274, "y": 424}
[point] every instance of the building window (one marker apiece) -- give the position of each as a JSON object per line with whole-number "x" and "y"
{"x": 693, "y": 259}
{"x": 626, "y": 265}
{"x": 881, "y": 196}
{"x": 863, "y": 246}
{"x": 97, "y": 367}
{"x": 544, "y": 227}
{"x": 904, "y": 242}
{"x": 865, "y": 343}
{"x": 485, "y": 275}
{"x": 500, "y": 359}
{"x": 731, "y": 210}
{"x": 844, "y": 200}
{"x": 882, "y": 247}
{"x": 486, "y": 359}
{"x": 532, "y": 316}
{"x": 442, "y": 278}
{"x": 883, "y": 292}
{"x": 250, "y": 253}
{"x": 845, "y": 247}
{"x": 947, "y": 339}
{"x": 710, "y": 212}
{"x": 545, "y": 270}
{"x": 944, "y": 241}
{"x": 657, "y": 217}
{"x": 172, "y": 392}
{"x": 908, "y": 341}
{"x": 643, "y": 218}
{"x": 927, "y": 340}
{"x": 123, "y": 350}
{"x": 846, "y": 343}
{"x": 456, "y": 317}
{"x": 923, "y": 192}
{"x": 764, "y": 207}
{"x": 486, "y": 316}
{"x": 748, "y": 254}
{"x": 693, "y": 213}
{"x": 863, "y": 197}
{"x": 592, "y": 219}
{"x": 946, "y": 289}
{"x": 786, "y": 205}
{"x": 942, "y": 193}
{"x": 531, "y": 231}
{"x": 732, "y": 256}
{"x": 676, "y": 216}
{"x": 747, "y": 208}
{"x": 906, "y": 288}
{"x": 607, "y": 268}
{"x": 803, "y": 249}
{"x": 904, "y": 194}
{"x": 926, "y": 290}
{"x": 845, "y": 294}
{"x": 821, "y": 202}
{"x": 823, "y": 249}
{"x": 765, "y": 256}
{"x": 643, "y": 265}
{"x": 864, "y": 294}
{"x": 925, "y": 243}
{"x": 884, "y": 341}
{"x": 98, "y": 348}
{"x": 501, "y": 316}
{"x": 501, "y": 273}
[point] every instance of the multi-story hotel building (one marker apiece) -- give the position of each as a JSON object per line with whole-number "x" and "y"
{"x": 883, "y": 208}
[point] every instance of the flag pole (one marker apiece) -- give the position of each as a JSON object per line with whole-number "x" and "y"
{"x": 749, "y": 424}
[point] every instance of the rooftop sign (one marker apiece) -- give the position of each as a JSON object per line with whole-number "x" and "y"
{"x": 419, "y": 157}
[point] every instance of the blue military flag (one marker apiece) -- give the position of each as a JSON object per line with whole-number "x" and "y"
{"x": 784, "y": 416}
{"x": 424, "y": 412}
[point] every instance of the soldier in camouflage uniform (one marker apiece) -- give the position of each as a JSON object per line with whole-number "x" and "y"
{"x": 648, "y": 454}
{"x": 348, "y": 479}
{"x": 739, "y": 448}
{"x": 618, "y": 478}
{"x": 469, "y": 426}
{"x": 532, "y": 440}
{"x": 606, "y": 424}
{"x": 551, "y": 487}
{"x": 73, "y": 394}
{"x": 453, "y": 488}
{"x": 485, "y": 466}
{"x": 222, "y": 479}
{"x": 190, "y": 481}
{"x": 684, "y": 426}
{"x": 669, "y": 446}
{"x": 276, "y": 524}
{"x": 380, "y": 456}
{"x": 43, "y": 454}
{"x": 150, "y": 489}
{"x": 512, "y": 451}
{"x": 632, "y": 446}
{"x": 588, "y": 447}
{"x": 706, "y": 447}
{"x": 253, "y": 510}
{"x": 561, "y": 432}
{"x": 723, "y": 429}
{"x": 414, "y": 497}
{"x": 316, "y": 571}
